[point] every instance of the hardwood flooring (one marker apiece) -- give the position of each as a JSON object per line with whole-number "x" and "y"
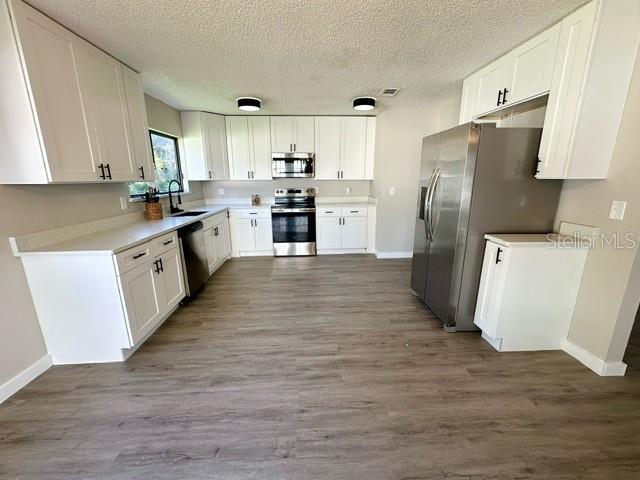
{"x": 321, "y": 368}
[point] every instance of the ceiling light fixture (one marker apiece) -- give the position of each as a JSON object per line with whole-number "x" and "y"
{"x": 249, "y": 104}
{"x": 364, "y": 103}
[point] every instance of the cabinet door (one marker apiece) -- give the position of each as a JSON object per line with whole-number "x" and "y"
{"x": 492, "y": 283}
{"x": 103, "y": 94}
{"x": 303, "y": 134}
{"x": 138, "y": 125}
{"x": 532, "y": 66}
{"x": 172, "y": 281}
{"x": 238, "y": 147}
{"x": 328, "y": 233}
{"x": 210, "y": 245}
{"x": 246, "y": 235}
{"x": 264, "y": 235}
{"x": 195, "y": 145}
{"x": 491, "y": 80}
{"x": 563, "y": 106}
{"x": 217, "y": 158}
{"x": 354, "y": 232}
{"x": 327, "y": 161}
{"x": 353, "y": 147}
{"x": 260, "y": 135}
{"x": 47, "y": 51}
{"x": 469, "y": 97}
{"x": 221, "y": 241}
{"x": 143, "y": 300}
{"x": 281, "y": 134}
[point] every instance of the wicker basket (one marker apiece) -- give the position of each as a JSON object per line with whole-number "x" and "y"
{"x": 153, "y": 211}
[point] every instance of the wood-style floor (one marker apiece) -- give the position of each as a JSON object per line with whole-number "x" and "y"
{"x": 321, "y": 368}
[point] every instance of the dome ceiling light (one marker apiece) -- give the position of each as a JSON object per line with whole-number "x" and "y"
{"x": 364, "y": 103}
{"x": 249, "y": 104}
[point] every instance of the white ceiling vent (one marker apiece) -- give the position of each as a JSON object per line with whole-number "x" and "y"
{"x": 389, "y": 92}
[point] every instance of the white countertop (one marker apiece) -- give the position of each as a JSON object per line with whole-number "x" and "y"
{"x": 124, "y": 237}
{"x": 531, "y": 239}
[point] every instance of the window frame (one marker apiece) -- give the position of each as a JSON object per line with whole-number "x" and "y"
{"x": 176, "y": 141}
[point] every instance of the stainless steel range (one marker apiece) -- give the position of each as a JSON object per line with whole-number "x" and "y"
{"x": 293, "y": 219}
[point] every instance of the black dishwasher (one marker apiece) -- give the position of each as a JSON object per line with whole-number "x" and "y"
{"x": 194, "y": 257}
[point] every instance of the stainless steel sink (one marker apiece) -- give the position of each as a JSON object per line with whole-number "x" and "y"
{"x": 192, "y": 213}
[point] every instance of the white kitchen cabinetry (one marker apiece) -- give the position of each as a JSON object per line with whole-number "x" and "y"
{"x": 528, "y": 289}
{"x": 217, "y": 240}
{"x": 98, "y": 307}
{"x": 71, "y": 116}
{"x": 292, "y": 134}
{"x": 205, "y": 146}
{"x": 589, "y": 89}
{"x": 251, "y": 232}
{"x": 344, "y": 148}
{"x": 341, "y": 229}
{"x": 249, "y": 146}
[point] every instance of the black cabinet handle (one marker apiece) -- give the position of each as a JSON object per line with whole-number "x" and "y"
{"x": 157, "y": 264}
{"x": 138, "y": 255}
{"x": 102, "y": 175}
{"x": 215, "y": 231}
{"x": 167, "y": 242}
{"x": 141, "y": 172}
{"x": 499, "y": 98}
{"x": 161, "y": 265}
{"x": 498, "y": 260}
{"x": 536, "y": 169}
{"x": 209, "y": 173}
{"x": 504, "y": 96}
{"x": 108, "y": 167}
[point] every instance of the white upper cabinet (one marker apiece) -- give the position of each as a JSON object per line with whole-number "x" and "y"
{"x": 71, "y": 107}
{"x": 205, "y": 145}
{"x": 249, "y": 146}
{"x": 138, "y": 124}
{"x": 596, "y": 56}
{"x": 584, "y": 64}
{"x": 292, "y": 134}
{"x": 344, "y": 148}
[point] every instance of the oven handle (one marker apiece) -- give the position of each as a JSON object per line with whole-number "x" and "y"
{"x": 293, "y": 210}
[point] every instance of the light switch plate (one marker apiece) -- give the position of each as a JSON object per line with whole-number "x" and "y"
{"x": 392, "y": 190}
{"x": 124, "y": 203}
{"x": 617, "y": 209}
{"x": 347, "y": 190}
{"x": 221, "y": 191}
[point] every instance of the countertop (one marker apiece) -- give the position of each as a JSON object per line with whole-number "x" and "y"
{"x": 532, "y": 240}
{"x": 122, "y": 238}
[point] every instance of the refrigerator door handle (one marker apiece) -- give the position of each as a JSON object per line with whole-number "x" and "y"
{"x": 432, "y": 190}
{"x": 427, "y": 204}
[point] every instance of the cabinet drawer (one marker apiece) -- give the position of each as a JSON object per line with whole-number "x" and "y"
{"x": 354, "y": 211}
{"x": 164, "y": 243}
{"x": 214, "y": 220}
{"x": 133, "y": 257}
{"x": 251, "y": 212}
{"x": 329, "y": 212}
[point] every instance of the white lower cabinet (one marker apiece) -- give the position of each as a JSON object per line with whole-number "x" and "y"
{"x": 341, "y": 229}
{"x": 528, "y": 289}
{"x": 251, "y": 232}
{"x": 96, "y": 307}
{"x": 217, "y": 241}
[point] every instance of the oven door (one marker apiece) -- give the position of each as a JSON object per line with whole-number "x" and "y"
{"x": 294, "y": 231}
{"x": 292, "y": 167}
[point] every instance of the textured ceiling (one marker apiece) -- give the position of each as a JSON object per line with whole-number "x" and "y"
{"x": 303, "y": 56}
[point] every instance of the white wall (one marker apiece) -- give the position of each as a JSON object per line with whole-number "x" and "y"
{"x": 265, "y": 188}
{"x": 399, "y": 133}
{"x": 32, "y": 208}
{"x": 606, "y": 301}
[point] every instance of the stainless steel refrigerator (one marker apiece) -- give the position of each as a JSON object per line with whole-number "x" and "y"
{"x": 474, "y": 179}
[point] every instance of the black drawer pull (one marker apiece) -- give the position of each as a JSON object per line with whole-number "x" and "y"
{"x": 138, "y": 255}
{"x": 328, "y": 211}
{"x": 498, "y": 260}
{"x": 168, "y": 242}
{"x": 355, "y": 211}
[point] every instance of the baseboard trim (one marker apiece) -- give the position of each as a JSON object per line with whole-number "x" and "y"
{"x": 602, "y": 368}
{"x": 25, "y": 377}
{"x": 387, "y": 255}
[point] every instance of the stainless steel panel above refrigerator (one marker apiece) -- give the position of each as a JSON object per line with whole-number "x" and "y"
{"x": 474, "y": 179}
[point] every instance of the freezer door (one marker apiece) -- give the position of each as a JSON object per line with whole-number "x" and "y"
{"x": 421, "y": 236}
{"x": 448, "y": 213}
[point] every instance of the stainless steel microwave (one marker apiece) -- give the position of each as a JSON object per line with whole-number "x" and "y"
{"x": 292, "y": 165}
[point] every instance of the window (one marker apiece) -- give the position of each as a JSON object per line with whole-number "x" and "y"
{"x": 166, "y": 159}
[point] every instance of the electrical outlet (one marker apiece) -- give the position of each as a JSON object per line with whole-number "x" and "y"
{"x": 347, "y": 190}
{"x": 124, "y": 203}
{"x": 392, "y": 191}
{"x": 221, "y": 191}
{"x": 617, "y": 209}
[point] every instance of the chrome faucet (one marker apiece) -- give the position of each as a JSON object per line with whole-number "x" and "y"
{"x": 175, "y": 209}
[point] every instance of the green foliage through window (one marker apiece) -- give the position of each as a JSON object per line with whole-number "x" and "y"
{"x": 167, "y": 164}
